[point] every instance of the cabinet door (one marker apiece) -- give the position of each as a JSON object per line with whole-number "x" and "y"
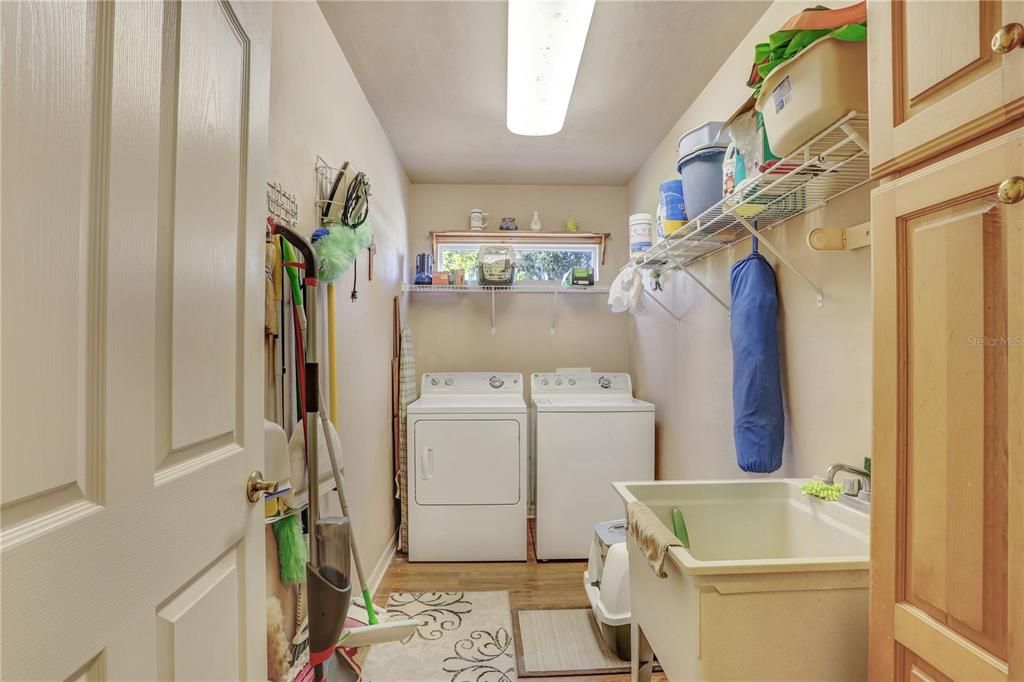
{"x": 948, "y": 470}
{"x": 935, "y": 81}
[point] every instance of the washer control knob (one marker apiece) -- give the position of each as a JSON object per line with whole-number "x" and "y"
{"x": 496, "y": 382}
{"x": 558, "y": 381}
{"x": 604, "y": 382}
{"x": 449, "y": 382}
{"x": 572, "y": 382}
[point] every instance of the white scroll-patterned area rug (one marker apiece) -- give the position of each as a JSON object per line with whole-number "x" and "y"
{"x": 466, "y": 637}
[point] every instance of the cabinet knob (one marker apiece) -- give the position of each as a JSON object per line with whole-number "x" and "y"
{"x": 1008, "y": 38}
{"x": 1011, "y": 190}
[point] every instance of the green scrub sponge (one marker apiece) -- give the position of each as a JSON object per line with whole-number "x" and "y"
{"x": 825, "y": 491}
{"x": 291, "y": 549}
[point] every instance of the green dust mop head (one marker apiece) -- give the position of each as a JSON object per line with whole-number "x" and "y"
{"x": 338, "y": 246}
{"x": 291, "y": 550}
{"x": 826, "y": 491}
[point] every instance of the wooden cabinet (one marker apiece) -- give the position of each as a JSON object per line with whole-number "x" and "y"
{"x": 947, "y": 597}
{"x": 935, "y": 80}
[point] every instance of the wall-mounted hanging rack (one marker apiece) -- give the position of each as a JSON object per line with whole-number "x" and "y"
{"x": 326, "y": 176}
{"x": 832, "y": 164}
{"x": 554, "y": 289}
{"x": 840, "y": 238}
{"x": 282, "y": 206}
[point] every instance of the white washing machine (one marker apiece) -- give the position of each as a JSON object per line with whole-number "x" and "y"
{"x": 588, "y": 431}
{"x": 467, "y": 468}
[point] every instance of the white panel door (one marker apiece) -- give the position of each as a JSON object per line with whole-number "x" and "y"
{"x": 133, "y": 169}
{"x": 467, "y": 462}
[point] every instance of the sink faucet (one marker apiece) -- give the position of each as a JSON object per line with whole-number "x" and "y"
{"x": 830, "y": 475}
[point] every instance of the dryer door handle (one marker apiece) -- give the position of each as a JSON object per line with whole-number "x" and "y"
{"x": 427, "y": 463}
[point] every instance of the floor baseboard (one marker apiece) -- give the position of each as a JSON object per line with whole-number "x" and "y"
{"x": 383, "y": 563}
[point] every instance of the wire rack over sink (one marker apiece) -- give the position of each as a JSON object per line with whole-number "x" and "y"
{"x": 833, "y": 163}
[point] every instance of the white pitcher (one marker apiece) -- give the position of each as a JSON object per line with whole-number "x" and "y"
{"x": 477, "y": 219}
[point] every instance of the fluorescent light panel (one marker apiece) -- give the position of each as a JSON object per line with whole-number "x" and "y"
{"x": 545, "y": 44}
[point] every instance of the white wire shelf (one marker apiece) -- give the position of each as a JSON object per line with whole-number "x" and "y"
{"x": 833, "y": 163}
{"x": 511, "y": 288}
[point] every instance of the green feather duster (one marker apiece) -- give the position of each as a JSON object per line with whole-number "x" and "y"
{"x": 340, "y": 247}
{"x": 291, "y": 549}
{"x": 822, "y": 490}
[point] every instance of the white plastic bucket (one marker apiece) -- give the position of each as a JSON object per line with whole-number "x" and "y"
{"x": 640, "y": 234}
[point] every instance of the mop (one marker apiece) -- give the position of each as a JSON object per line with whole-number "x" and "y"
{"x": 375, "y": 632}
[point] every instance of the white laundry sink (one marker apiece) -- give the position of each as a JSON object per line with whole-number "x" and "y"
{"x": 774, "y": 585}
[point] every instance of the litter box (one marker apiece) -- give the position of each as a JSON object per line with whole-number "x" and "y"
{"x": 606, "y": 582}
{"x": 806, "y": 94}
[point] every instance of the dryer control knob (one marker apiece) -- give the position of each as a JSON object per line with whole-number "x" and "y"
{"x": 496, "y": 382}
{"x": 434, "y": 382}
{"x": 449, "y": 382}
{"x": 544, "y": 382}
{"x": 558, "y": 382}
{"x": 572, "y": 382}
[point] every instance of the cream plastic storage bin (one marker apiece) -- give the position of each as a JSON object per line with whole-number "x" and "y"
{"x": 805, "y": 95}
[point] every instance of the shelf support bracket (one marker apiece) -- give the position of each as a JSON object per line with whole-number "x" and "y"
{"x": 704, "y": 286}
{"x": 554, "y": 311}
{"x": 668, "y": 311}
{"x": 782, "y": 259}
{"x": 493, "y": 328}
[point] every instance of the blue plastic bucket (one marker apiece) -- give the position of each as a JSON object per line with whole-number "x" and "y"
{"x": 701, "y": 175}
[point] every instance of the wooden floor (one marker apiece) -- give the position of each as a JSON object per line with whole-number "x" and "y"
{"x": 531, "y": 585}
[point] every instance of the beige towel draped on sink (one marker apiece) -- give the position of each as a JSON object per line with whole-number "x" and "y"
{"x": 651, "y": 536}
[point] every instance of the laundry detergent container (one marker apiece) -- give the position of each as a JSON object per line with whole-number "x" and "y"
{"x": 808, "y": 93}
{"x": 701, "y": 171}
{"x": 606, "y": 582}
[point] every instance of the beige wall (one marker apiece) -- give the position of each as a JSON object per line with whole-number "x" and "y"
{"x": 319, "y": 108}
{"x": 452, "y": 331}
{"x": 686, "y": 368}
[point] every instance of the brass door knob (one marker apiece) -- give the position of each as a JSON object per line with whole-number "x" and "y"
{"x": 1008, "y": 38}
{"x": 256, "y": 487}
{"x": 1011, "y": 190}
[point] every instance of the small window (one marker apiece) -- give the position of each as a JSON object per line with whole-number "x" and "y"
{"x": 534, "y": 262}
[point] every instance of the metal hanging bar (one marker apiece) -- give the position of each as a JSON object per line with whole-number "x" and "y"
{"x": 782, "y": 259}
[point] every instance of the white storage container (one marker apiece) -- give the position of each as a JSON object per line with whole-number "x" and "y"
{"x": 813, "y": 90}
{"x": 640, "y": 233}
{"x": 704, "y": 135}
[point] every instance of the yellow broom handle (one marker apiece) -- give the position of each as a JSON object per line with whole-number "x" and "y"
{"x": 332, "y": 354}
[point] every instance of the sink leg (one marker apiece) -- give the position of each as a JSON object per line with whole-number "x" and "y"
{"x": 642, "y": 662}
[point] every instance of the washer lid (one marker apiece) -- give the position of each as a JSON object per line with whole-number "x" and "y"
{"x": 611, "y": 403}
{"x": 469, "y": 404}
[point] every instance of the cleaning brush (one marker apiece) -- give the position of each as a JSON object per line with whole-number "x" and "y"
{"x": 826, "y": 491}
{"x": 291, "y": 550}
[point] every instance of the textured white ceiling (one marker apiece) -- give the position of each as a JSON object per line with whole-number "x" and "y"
{"x": 434, "y": 73}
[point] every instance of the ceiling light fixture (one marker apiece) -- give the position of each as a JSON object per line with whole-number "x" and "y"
{"x": 545, "y": 44}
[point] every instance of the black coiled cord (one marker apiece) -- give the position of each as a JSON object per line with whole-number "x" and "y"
{"x": 357, "y": 201}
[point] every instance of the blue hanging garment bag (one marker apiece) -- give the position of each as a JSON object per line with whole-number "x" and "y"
{"x": 759, "y": 426}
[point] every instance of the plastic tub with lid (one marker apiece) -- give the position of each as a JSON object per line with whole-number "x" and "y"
{"x": 705, "y": 135}
{"x": 808, "y": 93}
